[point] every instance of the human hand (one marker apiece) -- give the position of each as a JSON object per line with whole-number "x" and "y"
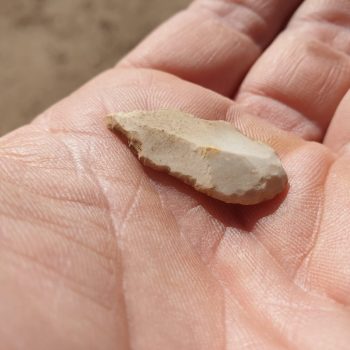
{"x": 98, "y": 252}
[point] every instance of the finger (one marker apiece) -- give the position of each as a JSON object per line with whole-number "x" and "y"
{"x": 338, "y": 133}
{"x": 213, "y": 43}
{"x": 299, "y": 81}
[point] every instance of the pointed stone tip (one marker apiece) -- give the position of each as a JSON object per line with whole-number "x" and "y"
{"x": 211, "y": 156}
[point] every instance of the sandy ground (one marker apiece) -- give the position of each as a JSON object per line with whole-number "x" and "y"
{"x": 50, "y": 47}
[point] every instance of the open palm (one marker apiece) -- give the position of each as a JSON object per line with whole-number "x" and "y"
{"x": 98, "y": 252}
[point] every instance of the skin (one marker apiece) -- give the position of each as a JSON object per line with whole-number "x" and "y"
{"x": 98, "y": 252}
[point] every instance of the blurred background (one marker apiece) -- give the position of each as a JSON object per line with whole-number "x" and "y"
{"x": 50, "y": 47}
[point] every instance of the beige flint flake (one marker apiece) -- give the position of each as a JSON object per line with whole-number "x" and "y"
{"x": 211, "y": 156}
